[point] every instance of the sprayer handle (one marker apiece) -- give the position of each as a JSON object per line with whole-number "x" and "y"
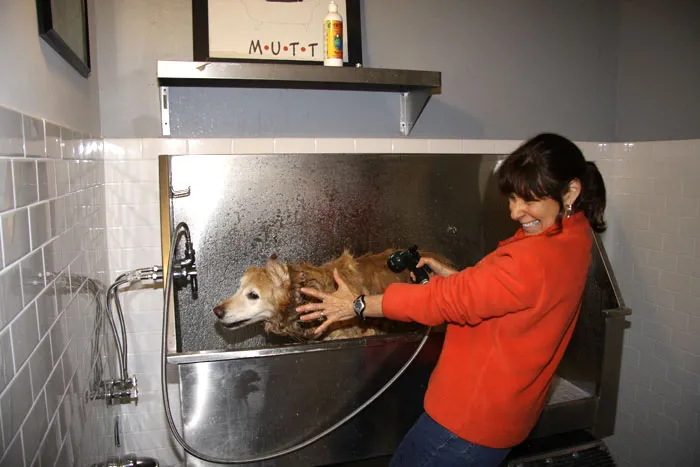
{"x": 422, "y": 274}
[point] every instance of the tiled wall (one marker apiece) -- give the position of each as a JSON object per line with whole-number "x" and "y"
{"x": 133, "y": 226}
{"x": 53, "y": 256}
{"x": 653, "y": 241}
{"x": 654, "y": 226}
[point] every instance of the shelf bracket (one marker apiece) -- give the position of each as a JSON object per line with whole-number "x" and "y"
{"x": 164, "y": 111}
{"x": 412, "y": 104}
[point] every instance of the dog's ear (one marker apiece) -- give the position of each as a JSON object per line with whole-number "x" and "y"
{"x": 278, "y": 272}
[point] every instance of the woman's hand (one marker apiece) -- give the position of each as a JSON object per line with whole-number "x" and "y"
{"x": 333, "y": 307}
{"x": 438, "y": 268}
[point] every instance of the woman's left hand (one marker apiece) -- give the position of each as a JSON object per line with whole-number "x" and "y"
{"x": 334, "y": 307}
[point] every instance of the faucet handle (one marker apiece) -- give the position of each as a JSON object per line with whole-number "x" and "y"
{"x": 194, "y": 286}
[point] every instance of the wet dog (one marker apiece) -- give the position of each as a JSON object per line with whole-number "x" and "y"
{"x": 271, "y": 294}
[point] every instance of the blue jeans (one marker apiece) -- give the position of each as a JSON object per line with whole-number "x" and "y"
{"x": 429, "y": 444}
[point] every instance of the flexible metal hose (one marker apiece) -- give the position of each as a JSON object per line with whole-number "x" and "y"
{"x": 74, "y": 283}
{"x": 97, "y": 332}
{"x": 136, "y": 275}
{"x": 183, "y": 229}
{"x": 122, "y": 323}
{"x": 121, "y": 345}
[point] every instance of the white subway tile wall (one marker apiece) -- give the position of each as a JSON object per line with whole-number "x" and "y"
{"x": 408, "y": 146}
{"x": 652, "y": 240}
{"x": 133, "y": 236}
{"x": 53, "y": 245}
{"x": 653, "y": 244}
{"x": 210, "y": 146}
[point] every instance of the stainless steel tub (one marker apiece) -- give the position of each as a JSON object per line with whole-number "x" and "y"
{"x": 245, "y": 394}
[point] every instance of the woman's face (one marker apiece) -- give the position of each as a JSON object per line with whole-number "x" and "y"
{"x": 534, "y": 216}
{"x": 537, "y": 216}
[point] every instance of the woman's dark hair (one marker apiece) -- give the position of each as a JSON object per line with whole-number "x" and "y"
{"x": 543, "y": 166}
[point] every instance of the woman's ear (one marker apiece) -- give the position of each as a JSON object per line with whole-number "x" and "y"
{"x": 572, "y": 193}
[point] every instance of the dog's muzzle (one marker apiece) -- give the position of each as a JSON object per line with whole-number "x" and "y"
{"x": 220, "y": 312}
{"x": 235, "y": 324}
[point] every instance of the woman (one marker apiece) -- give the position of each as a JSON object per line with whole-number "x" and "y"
{"x": 509, "y": 318}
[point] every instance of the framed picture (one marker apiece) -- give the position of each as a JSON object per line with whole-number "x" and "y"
{"x": 287, "y": 31}
{"x": 63, "y": 24}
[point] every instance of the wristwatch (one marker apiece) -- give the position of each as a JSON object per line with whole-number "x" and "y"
{"x": 359, "y": 307}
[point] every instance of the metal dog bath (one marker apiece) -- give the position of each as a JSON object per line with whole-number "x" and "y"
{"x": 244, "y": 394}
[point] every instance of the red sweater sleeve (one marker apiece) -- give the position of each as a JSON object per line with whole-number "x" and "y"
{"x": 501, "y": 283}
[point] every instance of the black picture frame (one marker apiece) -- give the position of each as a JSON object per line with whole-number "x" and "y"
{"x": 200, "y": 37}
{"x": 78, "y": 59}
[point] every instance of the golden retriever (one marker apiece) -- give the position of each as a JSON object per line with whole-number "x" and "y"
{"x": 271, "y": 294}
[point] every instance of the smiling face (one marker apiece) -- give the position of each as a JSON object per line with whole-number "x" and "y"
{"x": 537, "y": 215}
{"x": 542, "y": 178}
{"x": 534, "y": 216}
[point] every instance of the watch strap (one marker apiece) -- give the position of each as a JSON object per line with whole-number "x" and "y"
{"x": 359, "y": 307}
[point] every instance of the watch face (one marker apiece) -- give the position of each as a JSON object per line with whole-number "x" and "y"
{"x": 359, "y": 304}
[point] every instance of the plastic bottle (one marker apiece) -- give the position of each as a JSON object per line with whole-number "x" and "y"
{"x": 333, "y": 37}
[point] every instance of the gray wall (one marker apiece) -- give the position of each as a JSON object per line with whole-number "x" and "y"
{"x": 132, "y": 35}
{"x": 601, "y": 70}
{"x": 36, "y": 80}
{"x": 509, "y": 69}
{"x": 658, "y": 91}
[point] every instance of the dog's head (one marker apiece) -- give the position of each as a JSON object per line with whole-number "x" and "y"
{"x": 262, "y": 293}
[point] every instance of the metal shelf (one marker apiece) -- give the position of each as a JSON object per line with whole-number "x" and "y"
{"x": 414, "y": 87}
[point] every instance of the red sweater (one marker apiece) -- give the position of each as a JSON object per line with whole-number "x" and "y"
{"x": 509, "y": 318}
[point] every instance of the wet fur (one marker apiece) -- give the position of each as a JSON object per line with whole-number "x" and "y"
{"x": 277, "y": 285}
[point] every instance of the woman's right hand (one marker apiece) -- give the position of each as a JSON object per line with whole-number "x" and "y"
{"x": 438, "y": 268}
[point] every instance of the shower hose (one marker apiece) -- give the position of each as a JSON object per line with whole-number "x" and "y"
{"x": 183, "y": 229}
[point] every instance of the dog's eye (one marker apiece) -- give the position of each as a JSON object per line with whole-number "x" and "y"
{"x": 252, "y": 296}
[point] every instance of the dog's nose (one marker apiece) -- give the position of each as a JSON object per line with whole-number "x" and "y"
{"x": 219, "y": 311}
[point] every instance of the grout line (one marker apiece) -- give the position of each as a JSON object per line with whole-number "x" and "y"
{"x": 14, "y": 184}
{"x": 19, "y": 433}
{"x": 62, "y": 443}
{"x": 26, "y": 362}
{"x": 48, "y": 427}
{"x": 35, "y": 301}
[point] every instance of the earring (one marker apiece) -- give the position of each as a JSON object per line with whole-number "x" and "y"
{"x": 569, "y": 210}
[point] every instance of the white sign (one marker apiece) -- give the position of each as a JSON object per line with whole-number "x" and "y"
{"x": 270, "y": 29}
